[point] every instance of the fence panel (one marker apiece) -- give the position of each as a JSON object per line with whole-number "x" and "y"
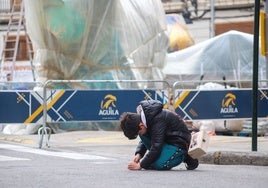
{"x": 225, "y": 103}
{"x": 94, "y": 105}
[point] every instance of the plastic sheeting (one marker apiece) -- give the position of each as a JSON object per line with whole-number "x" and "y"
{"x": 97, "y": 39}
{"x": 229, "y": 55}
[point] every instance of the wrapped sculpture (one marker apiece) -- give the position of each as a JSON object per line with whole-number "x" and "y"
{"x": 97, "y": 39}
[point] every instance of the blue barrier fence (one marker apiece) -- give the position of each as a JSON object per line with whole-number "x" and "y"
{"x": 225, "y": 102}
{"x": 71, "y": 105}
{"x": 219, "y": 104}
{"x": 46, "y": 105}
{"x": 61, "y": 105}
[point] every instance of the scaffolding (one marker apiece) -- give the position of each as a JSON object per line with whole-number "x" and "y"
{"x": 15, "y": 31}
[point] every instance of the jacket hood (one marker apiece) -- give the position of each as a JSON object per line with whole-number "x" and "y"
{"x": 151, "y": 108}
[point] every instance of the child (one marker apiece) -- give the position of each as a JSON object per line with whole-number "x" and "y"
{"x": 162, "y": 133}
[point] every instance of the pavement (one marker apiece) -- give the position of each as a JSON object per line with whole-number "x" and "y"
{"x": 222, "y": 150}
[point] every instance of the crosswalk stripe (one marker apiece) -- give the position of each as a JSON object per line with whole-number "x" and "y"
{"x": 7, "y": 158}
{"x": 69, "y": 155}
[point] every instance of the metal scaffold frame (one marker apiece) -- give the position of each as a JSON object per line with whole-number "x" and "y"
{"x": 17, "y": 24}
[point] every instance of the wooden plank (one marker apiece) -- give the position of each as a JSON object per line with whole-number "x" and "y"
{"x": 242, "y": 26}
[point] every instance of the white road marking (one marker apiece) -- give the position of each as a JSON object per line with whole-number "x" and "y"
{"x": 7, "y": 158}
{"x": 68, "y": 155}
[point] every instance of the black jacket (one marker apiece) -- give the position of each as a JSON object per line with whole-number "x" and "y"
{"x": 163, "y": 126}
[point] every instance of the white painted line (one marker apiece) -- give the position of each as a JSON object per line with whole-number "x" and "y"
{"x": 68, "y": 155}
{"x": 7, "y": 158}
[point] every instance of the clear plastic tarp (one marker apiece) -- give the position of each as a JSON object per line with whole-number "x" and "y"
{"x": 97, "y": 39}
{"x": 228, "y": 56}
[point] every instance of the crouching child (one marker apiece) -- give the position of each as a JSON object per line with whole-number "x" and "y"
{"x": 164, "y": 137}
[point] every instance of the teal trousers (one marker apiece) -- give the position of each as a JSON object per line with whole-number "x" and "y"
{"x": 170, "y": 156}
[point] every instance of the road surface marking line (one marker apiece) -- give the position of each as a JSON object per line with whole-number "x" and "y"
{"x": 68, "y": 155}
{"x": 7, "y": 158}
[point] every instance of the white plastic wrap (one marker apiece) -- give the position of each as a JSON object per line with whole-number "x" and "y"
{"x": 229, "y": 55}
{"x": 97, "y": 39}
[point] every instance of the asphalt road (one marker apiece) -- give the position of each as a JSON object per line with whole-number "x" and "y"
{"x": 99, "y": 159}
{"x": 87, "y": 166}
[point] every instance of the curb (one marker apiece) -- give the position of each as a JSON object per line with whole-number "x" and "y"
{"x": 235, "y": 158}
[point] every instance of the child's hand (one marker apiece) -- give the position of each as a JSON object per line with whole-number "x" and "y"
{"x": 137, "y": 158}
{"x": 134, "y": 166}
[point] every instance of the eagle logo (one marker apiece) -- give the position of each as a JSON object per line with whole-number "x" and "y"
{"x": 108, "y": 101}
{"x": 228, "y": 100}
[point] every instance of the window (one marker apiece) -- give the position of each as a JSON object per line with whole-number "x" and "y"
{"x": 22, "y": 54}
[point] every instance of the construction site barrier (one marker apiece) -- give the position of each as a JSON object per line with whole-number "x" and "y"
{"x": 41, "y": 105}
{"x": 217, "y": 103}
{"x": 106, "y": 104}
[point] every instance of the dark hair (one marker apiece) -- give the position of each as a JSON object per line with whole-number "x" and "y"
{"x": 129, "y": 123}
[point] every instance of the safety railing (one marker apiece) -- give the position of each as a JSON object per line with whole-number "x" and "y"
{"x": 218, "y": 99}
{"x": 194, "y": 84}
{"x": 107, "y": 99}
{"x": 13, "y": 85}
{"x": 106, "y": 104}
